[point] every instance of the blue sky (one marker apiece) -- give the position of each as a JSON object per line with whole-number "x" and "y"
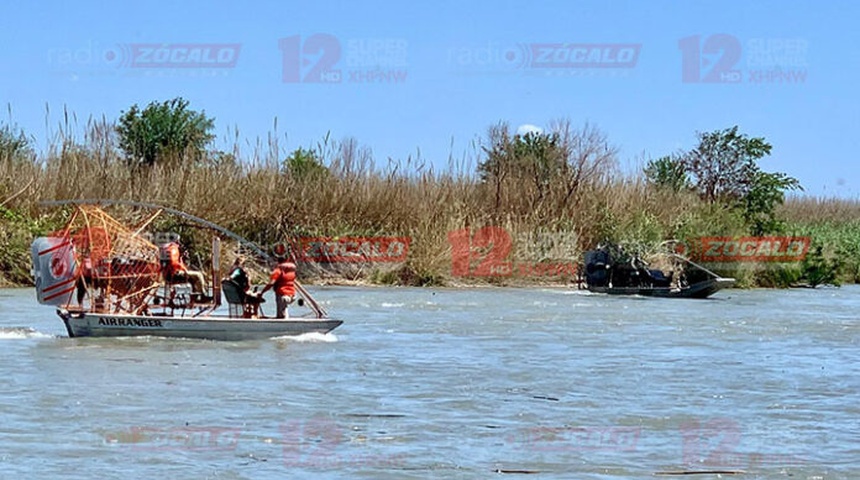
{"x": 447, "y": 70}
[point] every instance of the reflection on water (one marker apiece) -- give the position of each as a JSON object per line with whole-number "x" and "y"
{"x": 441, "y": 383}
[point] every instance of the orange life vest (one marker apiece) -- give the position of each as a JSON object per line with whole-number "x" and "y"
{"x": 284, "y": 279}
{"x": 172, "y": 259}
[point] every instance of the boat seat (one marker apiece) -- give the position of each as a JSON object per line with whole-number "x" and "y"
{"x": 659, "y": 278}
{"x": 240, "y": 304}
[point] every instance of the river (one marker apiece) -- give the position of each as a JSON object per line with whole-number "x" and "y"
{"x": 450, "y": 383}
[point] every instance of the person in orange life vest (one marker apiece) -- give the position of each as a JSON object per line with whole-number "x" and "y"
{"x": 283, "y": 279}
{"x": 175, "y": 269}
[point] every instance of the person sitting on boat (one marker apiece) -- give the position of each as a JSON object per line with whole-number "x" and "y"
{"x": 174, "y": 268}
{"x": 283, "y": 280}
{"x": 239, "y": 276}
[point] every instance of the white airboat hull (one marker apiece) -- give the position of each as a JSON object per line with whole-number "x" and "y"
{"x": 119, "y": 269}
{"x": 87, "y": 324}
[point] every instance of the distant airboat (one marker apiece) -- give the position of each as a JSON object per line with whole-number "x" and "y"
{"x": 610, "y": 269}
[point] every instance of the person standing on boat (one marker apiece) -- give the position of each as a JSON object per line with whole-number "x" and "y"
{"x": 85, "y": 279}
{"x": 283, "y": 280}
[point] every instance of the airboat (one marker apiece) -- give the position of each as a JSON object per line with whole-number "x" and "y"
{"x": 610, "y": 269}
{"x": 106, "y": 279}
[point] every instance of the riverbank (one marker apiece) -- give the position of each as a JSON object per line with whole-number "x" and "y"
{"x": 460, "y": 229}
{"x": 833, "y": 250}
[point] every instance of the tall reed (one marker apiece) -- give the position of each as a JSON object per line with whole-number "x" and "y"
{"x": 250, "y": 191}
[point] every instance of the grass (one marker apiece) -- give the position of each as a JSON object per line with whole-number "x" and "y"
{"x": 253, "y": 194}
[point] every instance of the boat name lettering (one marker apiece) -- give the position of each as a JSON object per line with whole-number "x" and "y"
{"x": 130, "y": 322}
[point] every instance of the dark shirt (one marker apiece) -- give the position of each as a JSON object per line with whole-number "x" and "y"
{"x": 239, "y": 276}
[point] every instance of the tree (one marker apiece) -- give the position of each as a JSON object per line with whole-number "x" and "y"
{"x": 819, "y": 270}
{"x": 759, "y": 204}
{"x": 667, "y": 172}
{"x": 544, "y": 168}
{"x": 723, "y": 166}
{"x": 305, "y": 164}
{"x": 532, "y": 154}
{"x": 16, "y": 152}
{"x": 535, "y": 158}
{"x": 14, "y": 144}
{"x": 163, "y": 130}
{"x": 724, "y": 170}
{"x": 496, "y": 167}
{"x": 540, "y": 158}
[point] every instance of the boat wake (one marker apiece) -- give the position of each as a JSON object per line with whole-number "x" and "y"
{"x": 311, "y": 337}
{"x": 584, "y": 293}
{"x": 18, "y": 333}
{"x": 391, "y": 305}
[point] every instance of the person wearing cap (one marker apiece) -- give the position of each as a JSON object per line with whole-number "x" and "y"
{"x": 283, "y": 280}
